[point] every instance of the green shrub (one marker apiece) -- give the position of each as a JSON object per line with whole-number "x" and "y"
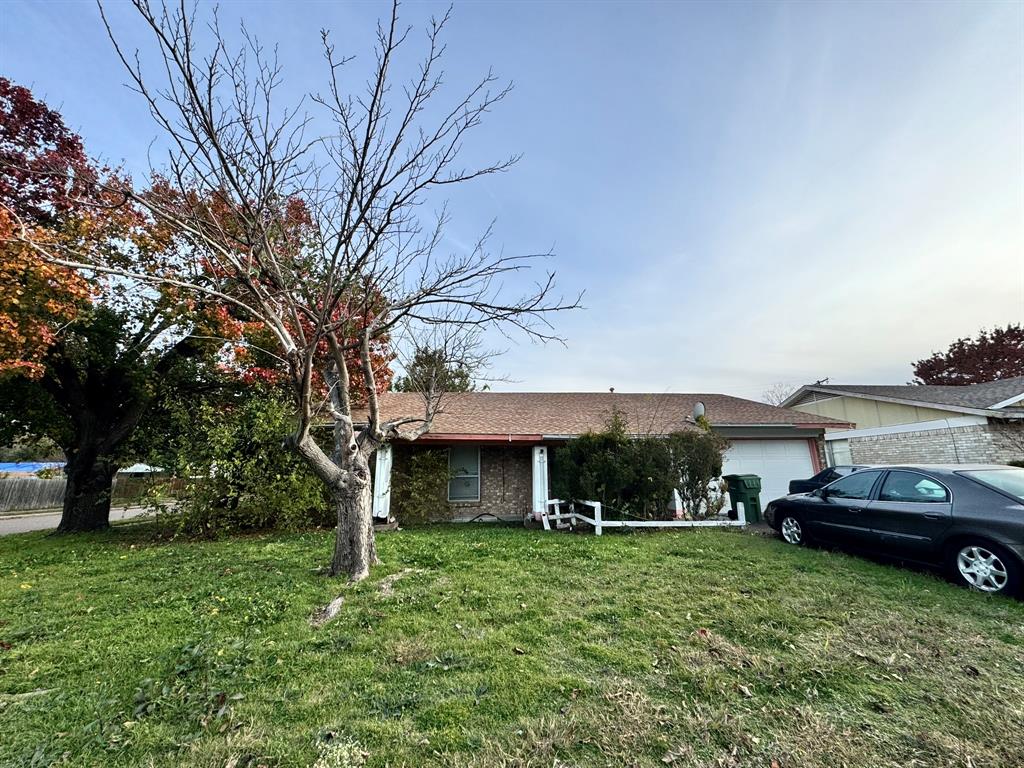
{"x": 696, "y": 457}
{"x": 419, "y": 487}
{"x": 237, "y": 474}
{"x": 636, "y": 476}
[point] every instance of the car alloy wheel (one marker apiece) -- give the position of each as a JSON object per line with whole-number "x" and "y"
{"x": 792, "y": 532}
{"x": 982, "y": 569}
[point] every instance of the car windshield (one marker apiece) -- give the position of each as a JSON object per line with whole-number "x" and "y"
{"x": 1009, "y": 481}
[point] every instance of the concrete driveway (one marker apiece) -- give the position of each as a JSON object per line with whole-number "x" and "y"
{"x": 48, "y": 520}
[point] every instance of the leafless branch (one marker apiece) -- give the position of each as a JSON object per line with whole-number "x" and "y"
{"x": 244, "y": 173}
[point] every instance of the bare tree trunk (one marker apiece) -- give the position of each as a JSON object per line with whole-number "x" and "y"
{"x": 90, "y": 483}
{"x": 354, "y": 546}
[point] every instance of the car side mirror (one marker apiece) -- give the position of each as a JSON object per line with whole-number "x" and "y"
{"x": 821, "y": 493}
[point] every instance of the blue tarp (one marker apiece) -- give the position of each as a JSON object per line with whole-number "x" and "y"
{"x": 28, "y": 466}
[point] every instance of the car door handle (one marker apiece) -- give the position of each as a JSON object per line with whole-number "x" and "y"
{"x": 932, "y": 516}
{"x": 856, "y": 509}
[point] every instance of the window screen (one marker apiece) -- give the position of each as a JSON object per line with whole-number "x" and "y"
{"x": 838, "y": 452}
{"x": 463, "y": 474}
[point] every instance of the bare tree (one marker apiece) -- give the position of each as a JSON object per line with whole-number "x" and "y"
{"x": 365, "y": 265}
{"x": 778, "y": 393}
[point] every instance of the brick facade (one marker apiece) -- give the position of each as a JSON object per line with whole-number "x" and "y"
{"x": 981, "y": 444}
{"x": 506, "y": 482}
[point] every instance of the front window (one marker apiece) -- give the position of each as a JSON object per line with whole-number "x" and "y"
{"x": 910, "y": 486}
{"x": 463, "y": 474}
{"x": 838, "y": 452}
{"x": 1009, "y": 481}
{"x": 855, "y": 486}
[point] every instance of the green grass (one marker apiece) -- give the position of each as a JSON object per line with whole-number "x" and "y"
{"x": 497, "y": 647}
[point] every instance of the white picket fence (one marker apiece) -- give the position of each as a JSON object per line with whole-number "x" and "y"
{"x": 563, "y": 520}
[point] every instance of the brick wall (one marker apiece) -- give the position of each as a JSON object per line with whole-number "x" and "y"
{"x": 819, "y": 446}
{"x": 1008, "y": 442}
{"x": 982, "y": 443}
{"x": 506, "y": 482}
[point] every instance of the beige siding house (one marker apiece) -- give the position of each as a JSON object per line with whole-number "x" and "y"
{"x": 920, "y": 424}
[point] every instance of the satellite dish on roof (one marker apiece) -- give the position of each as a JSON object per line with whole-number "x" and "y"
{"x": 698, "y": 411}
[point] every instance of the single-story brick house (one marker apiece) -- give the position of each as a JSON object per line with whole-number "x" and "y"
{"x": 920, "y": 424}
{"x": 498, "y": 443}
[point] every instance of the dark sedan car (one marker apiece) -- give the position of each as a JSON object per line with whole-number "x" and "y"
{"x": 968, "y": 518}
{"x": 823, "y": 478}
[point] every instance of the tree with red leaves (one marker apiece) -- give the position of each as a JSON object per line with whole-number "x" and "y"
{"x": 368, "y": 266}
{"x": 82, "y": 357}
{"x": 44, "y": 170}
{"x": 85, "y": 356}
{"x": 992, "y": 355}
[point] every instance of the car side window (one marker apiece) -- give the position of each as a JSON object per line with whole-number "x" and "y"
{"x": 855, "y": 486}
{"x": 910, "y": 486}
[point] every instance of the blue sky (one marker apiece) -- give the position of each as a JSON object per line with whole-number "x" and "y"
{"x": 748, "y": 193}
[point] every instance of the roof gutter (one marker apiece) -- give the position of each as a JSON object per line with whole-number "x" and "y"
{"x": 466, "y": 437}
{"x": 1009, "y": 401}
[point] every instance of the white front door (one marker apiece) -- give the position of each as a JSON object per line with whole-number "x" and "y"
{"x": 775, "y": 461}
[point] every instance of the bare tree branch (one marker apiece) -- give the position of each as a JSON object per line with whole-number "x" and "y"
{"x": 245, "y": 173}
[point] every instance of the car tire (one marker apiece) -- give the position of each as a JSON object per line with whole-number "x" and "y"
{"x": 792, "y": 529}
{"x": 985, "y": 567}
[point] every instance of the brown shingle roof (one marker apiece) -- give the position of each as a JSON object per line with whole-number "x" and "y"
{"x": 573, "y": 413}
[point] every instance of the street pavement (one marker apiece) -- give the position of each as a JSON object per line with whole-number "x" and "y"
{"x": 44, "y": 521}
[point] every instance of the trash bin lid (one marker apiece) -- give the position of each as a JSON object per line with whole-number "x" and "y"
{"x": 744, "y": 481}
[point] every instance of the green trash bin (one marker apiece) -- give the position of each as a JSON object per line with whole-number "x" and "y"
{"x": 746, "y": 489}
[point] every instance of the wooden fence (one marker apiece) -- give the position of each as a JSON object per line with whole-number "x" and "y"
{"x": 25, "y": 493}
{"x": 30, "y": 493}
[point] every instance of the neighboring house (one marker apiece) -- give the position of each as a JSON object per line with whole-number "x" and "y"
{"x": 498, "y": 443}
{"x": 921, "y": 424}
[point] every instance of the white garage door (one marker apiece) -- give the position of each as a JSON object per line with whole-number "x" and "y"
{"x": 775, "y": 461}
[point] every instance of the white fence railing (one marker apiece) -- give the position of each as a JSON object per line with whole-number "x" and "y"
{"x": 563, "y": 520}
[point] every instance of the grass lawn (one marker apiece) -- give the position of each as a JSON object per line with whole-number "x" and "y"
{"x": 487, "y": 646}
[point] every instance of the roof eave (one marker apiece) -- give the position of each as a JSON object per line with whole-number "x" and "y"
{"x": 901, "y": 401}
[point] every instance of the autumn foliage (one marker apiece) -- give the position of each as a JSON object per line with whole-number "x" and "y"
{"x": 251, "y": 352}
{"x": 43, "y": 170}
{"x": 87, "y": 355}
{"x": 992, "y": 355}
{"x": 53, "y": 198}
